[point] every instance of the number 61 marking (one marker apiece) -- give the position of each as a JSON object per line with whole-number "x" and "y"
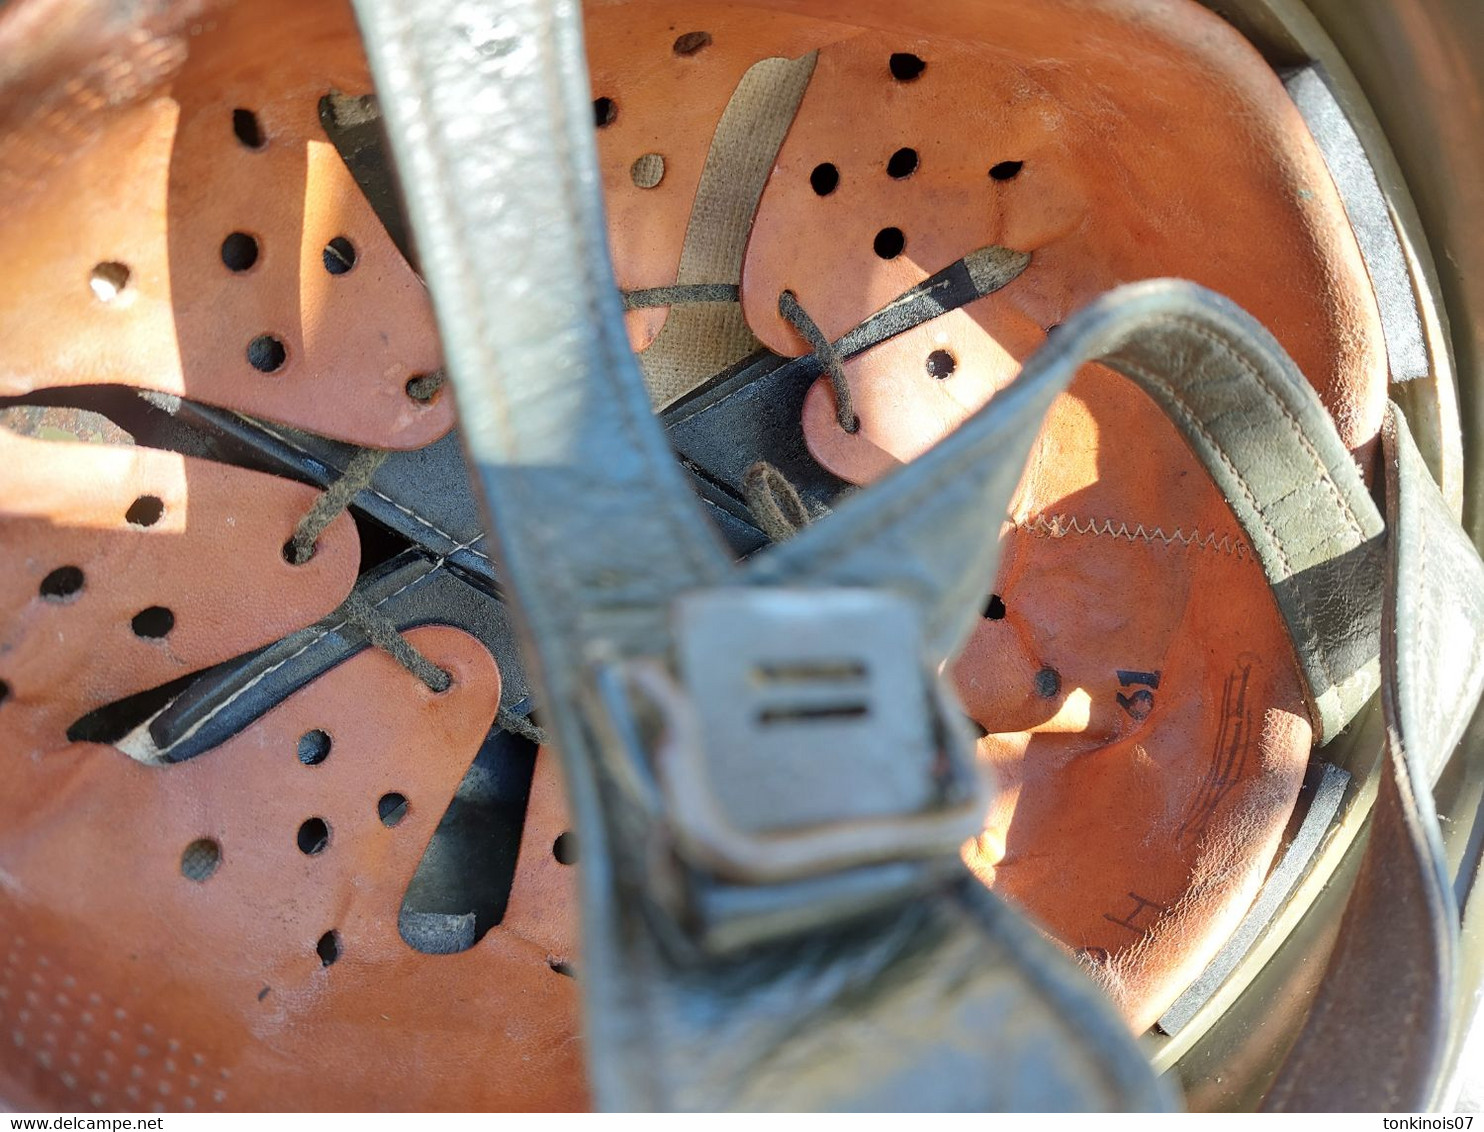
{"x": 1140, "y": 703}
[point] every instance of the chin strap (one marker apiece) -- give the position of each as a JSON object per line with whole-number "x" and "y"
{"x": 769, "y": 780}
{"x": 760, "y": 930}
{"x": 1377, "y": 1037}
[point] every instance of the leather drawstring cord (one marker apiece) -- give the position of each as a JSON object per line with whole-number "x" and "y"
{"x": 358, "y": 611}
{"x": 521, "y": 725}
{"x": 384, "y": 635}
{"x": 834, "y": 364}
{"x": 773, "y": 501}
{"x": 335, "y": 499}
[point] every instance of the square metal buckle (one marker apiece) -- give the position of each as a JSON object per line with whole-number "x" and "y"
{"x": 816, "y": 737}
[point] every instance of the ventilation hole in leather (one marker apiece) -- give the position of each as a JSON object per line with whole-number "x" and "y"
{"x": 239, "y": 251}
{"x": 200, "y": 859}
{"x": 391, "y": 809}
{"x": 562, "y": 967}
{"x": 4, "y": 691}
{"x": 1006, "y": 170}
{"x": 249, "y": 132}
{"x": 462, "y": 884}
{"x": 889, "y": 243}
{"x": 339, "y": 256}
{"x": 328, "y": 947}
{"x": 564, "y": 848}
{"x": 423, "y": 389}
{"x": 691, "y": 42}
{"x": 145, "y": 511}
{"x": 648, "y": 171}
{"x": 1048, "y": 683}
{"x": 941, "y": 364}
{"x": 266, "y": 353}
{"x": 994, "y": 608}
{"x": 314, "y": 747}
{"x": 605, "y": 110}
{"x": 153, "y": 623}
{"x": 903, "y": 163}
{"x": 905, "y": 66}
{"x": 313, "y": 836}
{"x": 108, "y": 281}
{"x": 62, "y": 584}
{"x": 825, "y": 179}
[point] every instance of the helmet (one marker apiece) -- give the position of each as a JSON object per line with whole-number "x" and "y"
{"x": 840, "y": 238}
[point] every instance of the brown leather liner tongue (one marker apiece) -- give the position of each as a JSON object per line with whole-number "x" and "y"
{"x": 201, "y": 236}
{"x": 127, "y": 568}
{"x": 222, "y": 933}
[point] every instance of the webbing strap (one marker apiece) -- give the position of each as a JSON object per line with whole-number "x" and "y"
{"x": 697, "y": 341}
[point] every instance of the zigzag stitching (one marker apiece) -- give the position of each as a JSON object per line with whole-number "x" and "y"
{"x": 1060, "y": 526}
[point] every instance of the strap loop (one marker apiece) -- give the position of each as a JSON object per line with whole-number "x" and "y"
{"x": 773, "y": 501}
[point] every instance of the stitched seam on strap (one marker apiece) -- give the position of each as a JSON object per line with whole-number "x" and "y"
{"x": 1321, "y": 654}
{"x": 432, "y": 568}
{"x": 1059, "y": 525}
{"x": 1404, "y": 779}
{"x": 1228, "y": 348}
{"x": 411, "y": 514}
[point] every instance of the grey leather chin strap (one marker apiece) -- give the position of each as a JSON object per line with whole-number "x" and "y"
{"x": 768, "y": 779}
{"x": 825, "y": 949}
{"x": 1247, "y": 413}
{"x": 1376, "y": 1039}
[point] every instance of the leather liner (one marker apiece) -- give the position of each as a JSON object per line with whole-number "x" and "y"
{"x": 211, "y": 558}
{"x": 172, "y": 993}
{"x": 1136, "y": 675}
{"x": 147, "y": 170}
{"x": 1128, "y": 149}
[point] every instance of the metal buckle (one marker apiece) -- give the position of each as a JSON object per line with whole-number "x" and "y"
{"x": 811, "y": 736}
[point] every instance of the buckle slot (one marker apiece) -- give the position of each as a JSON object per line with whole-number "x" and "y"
{"x": 810, "y": 735}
